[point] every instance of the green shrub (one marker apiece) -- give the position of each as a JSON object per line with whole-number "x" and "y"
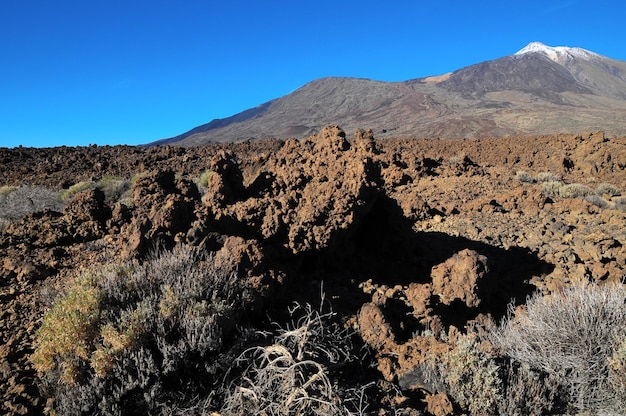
{"x": 471, "y": 377}
{"x": 68, "y": 330}
{"x": 573, "y": 336}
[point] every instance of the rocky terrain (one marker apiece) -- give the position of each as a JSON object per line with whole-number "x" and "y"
{"x": 408, "y": 239}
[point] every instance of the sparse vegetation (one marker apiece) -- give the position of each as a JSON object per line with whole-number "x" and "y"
{"x": 547, "y": 177}
{"x": 120, "y": 337}
{"x": 574, "y": 190}
{"x": 607, "y": 189}
{"x": 551, "y": 188}
{"x": 114, "y": 189}
{"x": 17, "y": 202}
{"x": 597, "y": 200}
{"x": 67, "y": 194}
{"x": 472, "y": 377}
{"x": 291, "y": 376}
{"x": 204, "y": 178}
{"x": 523, "y": 176}
{"x": 484, "y": 383}
{"x": 575, "y": 336}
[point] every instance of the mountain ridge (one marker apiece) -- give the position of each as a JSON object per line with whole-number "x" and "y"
{"x": 538, "y": 90}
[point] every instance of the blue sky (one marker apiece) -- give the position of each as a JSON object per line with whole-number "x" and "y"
{"x": 131, "y": 72}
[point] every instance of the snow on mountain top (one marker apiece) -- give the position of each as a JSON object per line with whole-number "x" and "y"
{"x": 557, "y": 53}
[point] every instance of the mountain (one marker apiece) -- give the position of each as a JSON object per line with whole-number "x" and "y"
{"x": 538, "y": 90}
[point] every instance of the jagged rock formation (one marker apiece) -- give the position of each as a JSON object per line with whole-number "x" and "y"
{"x": 403, "y": 235}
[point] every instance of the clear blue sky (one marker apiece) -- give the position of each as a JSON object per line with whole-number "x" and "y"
{"x": 77, "y": 72}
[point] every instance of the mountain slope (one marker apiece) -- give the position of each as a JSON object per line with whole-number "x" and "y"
{"x": 538, "y": 90}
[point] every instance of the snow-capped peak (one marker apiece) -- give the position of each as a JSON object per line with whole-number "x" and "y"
{"x": 558, "y": 54}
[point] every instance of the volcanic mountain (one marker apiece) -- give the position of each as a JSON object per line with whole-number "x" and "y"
{"x": 538, "y": 90}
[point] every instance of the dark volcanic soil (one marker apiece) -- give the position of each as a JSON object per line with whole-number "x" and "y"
{"x": 404, "y": 234}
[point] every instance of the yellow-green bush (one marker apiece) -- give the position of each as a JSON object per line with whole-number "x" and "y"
{"x": 65, "y": 340}
{"x": 204, "y": 178}
{"x": 67, "y": 194}
{"x": 122, "y": 334}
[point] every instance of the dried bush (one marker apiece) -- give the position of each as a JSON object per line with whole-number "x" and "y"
{"x": 597, "y": 201}
{"x": 620, "y": 202}
{"x": 547, "y": 177}
{"x": 17, "y": 202}
{"x": 607, "y": 189}
{"x": 551, "y": 188}
{"x": 470, "y": 375}
{"x": 527, "y": 392}
{"x": 572, "y": 336}
{"x": 139, "y": 336}
{"x": 292, "y": 375}
{"x": 523, "y": 176}
{"x": 574, "y": 190}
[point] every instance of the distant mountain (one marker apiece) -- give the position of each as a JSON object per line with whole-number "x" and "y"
{"x": 538, "y": 90}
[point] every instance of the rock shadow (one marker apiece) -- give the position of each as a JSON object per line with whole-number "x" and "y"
{"x": 385, "y": 249}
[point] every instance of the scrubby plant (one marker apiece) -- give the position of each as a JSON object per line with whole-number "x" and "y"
{"x": 523, "y": 176}
{"x": 114, "y": 188}
{"x": 607, "y": 189}
{"x": 574, "y": 190}
{"x": 576, "y": 337}
{"x": 597, "y": 201}
{"x": 67, "y": 194}
{"x": 139, "y": 335}
{"x": 203, "y": 181}
{"x": 17, "y": 202}
{"x": 470, "y": 376}
{"x": 547, "y": 177}
{"x": 65, "y": 339}
{"x": 620, "y": 202}
{"x": 551, "y": 188}
{"x": 527, "y": 391}
{"x": 291, "y": 376}
{"x": 6, "y": 190}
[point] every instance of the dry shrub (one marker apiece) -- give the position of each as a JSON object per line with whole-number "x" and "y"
{"x": 17, "y": 202}
{"x": 291, "y": 376}
{"x": 551, "y": 188}
{"x": 573, "y": 337}
{"x": 139, "y": 337}
{"x": 547, "y": 177}
{"x": 523, "y": 176}
{"x": 597, "y": 200}
{"x": 607, "y": 189}
{"x": 574, "y": 190}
